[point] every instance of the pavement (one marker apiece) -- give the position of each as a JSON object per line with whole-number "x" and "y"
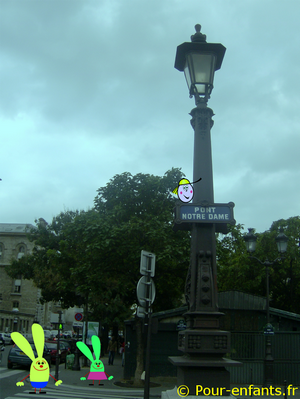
{"x": 72, "y": 378}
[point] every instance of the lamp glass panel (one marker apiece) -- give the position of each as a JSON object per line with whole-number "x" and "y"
{"x": 200, "y": 88}
{"x": 282, "y": 246}
{"x": 187, "y": 76}
{"x": 204, "y": 67}
{"x": 251, "y": 245}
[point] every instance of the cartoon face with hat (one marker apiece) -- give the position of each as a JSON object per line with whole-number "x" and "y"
{"x": 185, "y": 190}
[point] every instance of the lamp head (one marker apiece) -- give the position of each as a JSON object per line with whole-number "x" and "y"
{"x": 281, "y": 241}
{"x": 250, "y": 240}
{"x": 199, "y": 61}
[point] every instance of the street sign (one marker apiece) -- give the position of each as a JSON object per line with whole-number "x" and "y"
{"x": 269, "y": 329}
{"x": 200, "y": 213}
{"x": 77, "y": 324}
{"x": 78, "y": 316}
{"x": 141, "y": 291}
{"x": 147, "y": 263}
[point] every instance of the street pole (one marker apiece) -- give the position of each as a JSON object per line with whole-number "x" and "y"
{"x": 76, "y": 365}
{"x": 269, "y": 360}
{"x": 268, "y": 291}
{"x": 145, "y": 295}
{"x": 58, "y": 346}
{"x": 201, "y": 290}
{"x": 148, "y": 324}
{"x": 86, "y": 305}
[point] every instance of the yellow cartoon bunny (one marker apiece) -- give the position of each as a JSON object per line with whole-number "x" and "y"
{"x": 39, "y": 369}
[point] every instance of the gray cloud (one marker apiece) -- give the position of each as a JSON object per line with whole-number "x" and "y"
{"x": 89, "y": 89}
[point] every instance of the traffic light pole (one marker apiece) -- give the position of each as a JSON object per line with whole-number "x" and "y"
{"x": 58, "y": 345}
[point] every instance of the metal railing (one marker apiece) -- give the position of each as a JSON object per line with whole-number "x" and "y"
{"x": 249, "y": 348}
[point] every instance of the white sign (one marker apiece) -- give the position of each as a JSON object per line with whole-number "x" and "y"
{"x": 77, "y": 324}
{"x": 147, "y": 263}
{"x": 141, "y": 291}
{"x": 93, "y": 329}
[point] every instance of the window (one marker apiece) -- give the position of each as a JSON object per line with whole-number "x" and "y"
{"x": 21, "y": 251}
{"x": 17, "y": 284}
{"x": 16, "y": 305}
{"x": 17, "y": 288}
{"x": 1, "y": 251}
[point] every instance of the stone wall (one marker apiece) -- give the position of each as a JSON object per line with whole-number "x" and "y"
{"x": 19, "y": 304}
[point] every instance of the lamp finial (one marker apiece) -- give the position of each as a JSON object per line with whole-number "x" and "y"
{"x": 198, "y": 36}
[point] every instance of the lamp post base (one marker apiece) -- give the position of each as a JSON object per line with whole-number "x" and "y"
{"x": 204, "y": 376}
{"x": 268, "y": 372}
{"x": 268, "y": 364}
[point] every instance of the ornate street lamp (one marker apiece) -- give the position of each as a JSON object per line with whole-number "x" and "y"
{"x": 250, "y": 240}
{"x": 199, "y": 61}
{"x": 202, "y": 343}
{"x": 281, "y": 241}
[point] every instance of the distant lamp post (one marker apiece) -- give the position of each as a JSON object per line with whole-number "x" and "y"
{"x": 281, "y": 241}
{"x": 250, "y": 240}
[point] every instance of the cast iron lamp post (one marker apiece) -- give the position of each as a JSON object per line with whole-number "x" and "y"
{"x": 203, "y": 343}
{"x": 281, "y": 241}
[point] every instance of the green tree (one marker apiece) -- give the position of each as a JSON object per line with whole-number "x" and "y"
{"x": 138, "y": 211}
{"x": 237, "y": 271}
{"x": 285, "y": 274}
{"x": 97, "y": 253}
{"x": 46, "y": 265}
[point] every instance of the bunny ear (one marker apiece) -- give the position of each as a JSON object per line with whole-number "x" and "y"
{"x": 38, "y": 338}
{"x": 23, "y": 344}
{"x": 96, "y": 346}
{"x": 85, "y": 350}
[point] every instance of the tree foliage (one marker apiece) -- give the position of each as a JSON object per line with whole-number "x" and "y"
{"x": 237, "y": 271}
{"x": 139, "y": 212}
{"x": 95, "y": 254}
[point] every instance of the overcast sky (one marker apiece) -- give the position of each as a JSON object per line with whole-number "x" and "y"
{"x": 88, "y": 90}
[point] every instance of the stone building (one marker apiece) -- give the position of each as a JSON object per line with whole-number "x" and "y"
{"x": 19, "y": 298}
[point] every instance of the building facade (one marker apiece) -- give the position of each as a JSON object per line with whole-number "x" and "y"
{"x": 19, "y": 298}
